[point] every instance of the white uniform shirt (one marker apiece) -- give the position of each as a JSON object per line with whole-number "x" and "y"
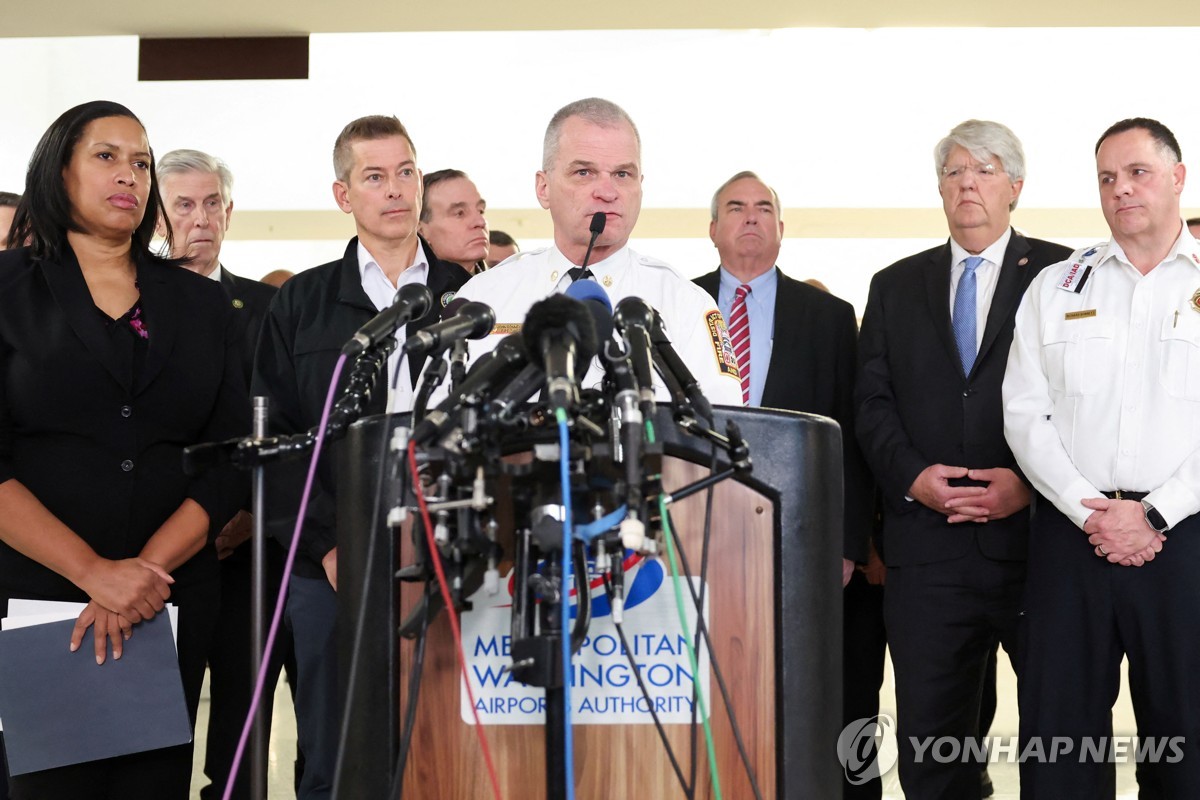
{"x": 693, "y": 323}
{"x": 1102, "y": 390}
{"x": 985, "y": 278}
{"x": 381, "y": 292}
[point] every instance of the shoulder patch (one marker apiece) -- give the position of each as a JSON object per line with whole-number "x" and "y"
{"x": 722, "y": 345}
{"x": 447, "y": 297}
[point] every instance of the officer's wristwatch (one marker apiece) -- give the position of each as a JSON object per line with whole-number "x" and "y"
{"x": 1154, "y": 519}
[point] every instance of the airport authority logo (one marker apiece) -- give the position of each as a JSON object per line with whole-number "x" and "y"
{"x": 867, "y": 748}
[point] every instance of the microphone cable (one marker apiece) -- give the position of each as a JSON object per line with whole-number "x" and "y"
{"x": 436, "y": 557}
{"x": 564, "y": 453}
{"x": 264, "y": 665}
{"x": 673, "y": 564}
{"x": 702, "y": 631}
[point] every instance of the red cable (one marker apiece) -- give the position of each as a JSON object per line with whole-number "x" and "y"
{"x": 445, "y": 588}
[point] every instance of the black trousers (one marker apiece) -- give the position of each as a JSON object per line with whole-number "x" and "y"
{"x": 1082, "y": 615}
{"x": 943, "y": 622}
{"x": 164, "y": 774}
{"x": 231, "y": 682}
{"x": 864, "y": 648}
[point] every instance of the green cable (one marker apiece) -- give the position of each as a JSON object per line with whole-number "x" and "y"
{"x": 687, "y": 633}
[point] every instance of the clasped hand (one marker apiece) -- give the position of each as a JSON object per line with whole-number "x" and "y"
{"x": 1119, "y": 531}
{"x": 122, "y": 594}
{"x": 1004, "y": 495}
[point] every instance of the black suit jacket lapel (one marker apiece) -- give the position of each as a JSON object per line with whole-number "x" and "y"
{"x": 1010, "y": 286}
{"x": 790, "y": 311}
{"x": 937, "y": 293}
{"x": 160, "y": 308}
{"x": 72, "y": 295}
{"x": 711, "y": 283}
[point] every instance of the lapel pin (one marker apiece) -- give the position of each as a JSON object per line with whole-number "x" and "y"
{"x": 238, "y": 303}
{"x": 607, "y": 281}
{"x": 554, "y": 276}
{"x": 1022, "y": 262}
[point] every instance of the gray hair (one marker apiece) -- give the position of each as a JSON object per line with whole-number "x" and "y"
{"x": 595, "y": 110}
{"x": 178, "y": 162}
{"x": 741, "y": 176}
{"x": 984, "y": 140}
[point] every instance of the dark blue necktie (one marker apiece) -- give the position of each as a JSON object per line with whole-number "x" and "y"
{"x": 964, "y": 314}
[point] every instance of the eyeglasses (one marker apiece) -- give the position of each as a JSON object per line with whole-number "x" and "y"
{"x": 981, "y": 171}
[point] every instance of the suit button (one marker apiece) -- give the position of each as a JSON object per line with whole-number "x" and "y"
{"x": 967, "y": 393}
{"x": 126, "y": 411}
{"x": 126, "y": 465}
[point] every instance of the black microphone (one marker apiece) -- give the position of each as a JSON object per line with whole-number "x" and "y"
{"x": 561, "y": 338}
{"x": 635, "y": 319}
{"x": 469, "y": 320}
{"x": 668, "y": 363}
{"x": 596, "y": 227}
{"x": 411, "y": 302}
{"x": 493, "y": 369}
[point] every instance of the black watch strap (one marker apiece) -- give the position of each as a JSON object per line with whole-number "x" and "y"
{"x": 1154, "y": 519}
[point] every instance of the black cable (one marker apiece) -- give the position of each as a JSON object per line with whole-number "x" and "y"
{"x": 410, "y": 714}
{"x": 688, "y": 791}
{"x": 360, "y": 620}
{"x": 716, "y": 668}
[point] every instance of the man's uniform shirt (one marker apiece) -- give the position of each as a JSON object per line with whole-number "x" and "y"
{"x": 694, "y": 325}
{"x": 1102, "y": 390}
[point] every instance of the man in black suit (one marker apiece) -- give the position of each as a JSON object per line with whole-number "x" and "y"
{"x": 197, "y": 193}
{"x": 930, "y": 421}
{"x": 802, "y": 343}
{"x": 312, "y": 317}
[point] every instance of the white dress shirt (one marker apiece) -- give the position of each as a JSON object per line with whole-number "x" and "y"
{"x": 693, "y": 323}
{"x": 1102, "y": 390}
{"x": 985, "y": 278}
{"x": 382, "y": 292}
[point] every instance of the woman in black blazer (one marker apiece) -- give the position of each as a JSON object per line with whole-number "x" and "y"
{"x": 111, "y": 362}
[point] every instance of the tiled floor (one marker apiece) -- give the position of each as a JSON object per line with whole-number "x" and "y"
{"x": 282, "y": 746}
{"x": 1004, "y": 776}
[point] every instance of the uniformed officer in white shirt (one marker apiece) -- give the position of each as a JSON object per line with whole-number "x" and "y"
{"x": 592, "y": 163}
{"x": 1102, "y": 410}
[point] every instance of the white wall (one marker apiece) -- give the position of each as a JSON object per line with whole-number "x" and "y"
{"x": 833, "y": 118}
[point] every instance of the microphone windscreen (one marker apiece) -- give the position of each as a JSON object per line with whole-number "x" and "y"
{"x": 560, "y": 313}
{"x": 598, "y": 303}
{"x": 597, "y": 226}
{"x": 453, "y": 307}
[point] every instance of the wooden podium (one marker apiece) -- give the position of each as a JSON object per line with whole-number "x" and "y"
{"x": 774, "y": 612}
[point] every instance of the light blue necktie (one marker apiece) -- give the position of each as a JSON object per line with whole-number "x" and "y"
{"x": 964, "y": 314}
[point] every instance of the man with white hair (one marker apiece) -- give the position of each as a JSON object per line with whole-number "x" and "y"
{"x": 197, "y": 195}
{"x": 591, "y": 163}
{"x": 932, "y": 353}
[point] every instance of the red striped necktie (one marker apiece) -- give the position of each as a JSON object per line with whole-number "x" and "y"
{"x": 739, "y": 333}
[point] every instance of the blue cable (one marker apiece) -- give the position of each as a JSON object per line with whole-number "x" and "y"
{"x": 586, "y": 533}
{"x": 564, "y": 445}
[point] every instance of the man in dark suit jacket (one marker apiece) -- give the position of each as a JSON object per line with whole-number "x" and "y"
{"x": 802, "y": 344}
{"x": 930, "y": 421}
{"x": 197, "y": 199}
{"x": 312, "y": 317}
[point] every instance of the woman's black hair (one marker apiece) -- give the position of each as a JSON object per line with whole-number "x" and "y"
{"x": 44, "y": 215}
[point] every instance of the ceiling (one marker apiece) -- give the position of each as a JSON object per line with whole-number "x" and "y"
{"x": 154, "y": 18}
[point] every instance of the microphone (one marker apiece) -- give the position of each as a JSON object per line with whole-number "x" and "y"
{"x": 561, "y": 338}
{"x": 411, "y": 302}
{"x": 680, "y": 380}
{"x": 596, "y": 227}
{"x": 635, "y": 319}
{"x": 593, "y": 296}
{"x": 468, "y": 320}
{"x": 493, "y": 369}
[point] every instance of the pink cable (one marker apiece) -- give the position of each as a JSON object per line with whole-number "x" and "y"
{"x": 287, "y": 575}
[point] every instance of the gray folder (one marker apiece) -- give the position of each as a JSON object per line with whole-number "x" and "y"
{"x": 62, "y": 708}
